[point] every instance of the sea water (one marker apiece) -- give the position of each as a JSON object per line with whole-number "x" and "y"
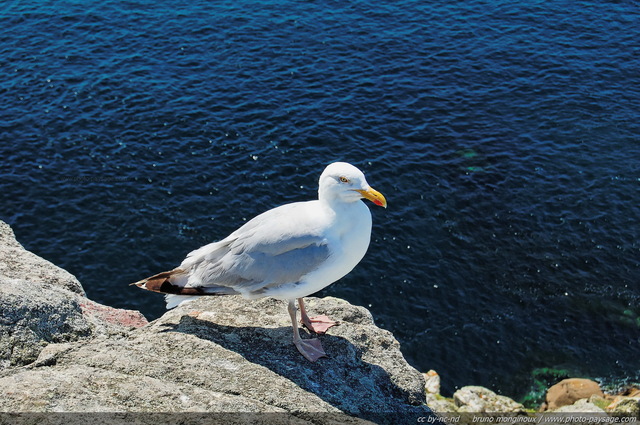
{"x": 505, "y": 136}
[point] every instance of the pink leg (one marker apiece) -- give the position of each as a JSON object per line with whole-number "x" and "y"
{"x": 311, "y": 349}
{"x": 318, "y": 324}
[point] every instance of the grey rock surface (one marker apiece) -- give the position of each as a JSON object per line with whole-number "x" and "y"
{"x": 439, "y": 404}
{"x": 18, "y": 263}
{"x": 226, "y": 354}
{"x": 33, "y": 315}
{"x": 61, "y": 352}
{"x": 580, "y": 406}
{"x": 41, "y": 304}
{"x": 432, "y": 382}
{"x": 482, "y": 400}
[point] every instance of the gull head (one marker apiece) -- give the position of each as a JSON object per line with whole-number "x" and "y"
{"x": 343, "y": 182}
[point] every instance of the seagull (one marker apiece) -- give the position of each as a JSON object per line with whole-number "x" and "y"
{"x": 288, "y": 253}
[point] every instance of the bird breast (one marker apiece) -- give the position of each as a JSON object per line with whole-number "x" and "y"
{"x": 348, "y": 243}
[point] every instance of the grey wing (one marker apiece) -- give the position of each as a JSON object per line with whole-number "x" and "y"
{"x": 249, "y": 262}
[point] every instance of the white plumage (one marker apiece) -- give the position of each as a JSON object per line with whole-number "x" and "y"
{"x": 288, "y": 252}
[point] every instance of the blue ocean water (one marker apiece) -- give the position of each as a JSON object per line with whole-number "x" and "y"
{"x": 505, "y": 136}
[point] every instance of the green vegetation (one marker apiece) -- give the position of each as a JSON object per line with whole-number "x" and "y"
{"x": 542, "y": 379}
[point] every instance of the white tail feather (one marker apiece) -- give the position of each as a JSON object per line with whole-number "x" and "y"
{"x": 175, "y": 300}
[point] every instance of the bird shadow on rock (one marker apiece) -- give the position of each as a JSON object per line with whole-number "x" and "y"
{"x": 342, "y": 379}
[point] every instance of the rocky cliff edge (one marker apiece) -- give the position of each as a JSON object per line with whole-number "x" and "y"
{"x": 61, "y": 352}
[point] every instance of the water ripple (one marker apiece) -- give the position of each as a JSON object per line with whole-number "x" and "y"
{"x": 504, "y": 135}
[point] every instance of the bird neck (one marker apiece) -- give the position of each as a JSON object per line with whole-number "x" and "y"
{"x": 336, "y": 203}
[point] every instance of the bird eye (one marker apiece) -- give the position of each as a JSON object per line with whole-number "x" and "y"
{"x": 344, "y": 179}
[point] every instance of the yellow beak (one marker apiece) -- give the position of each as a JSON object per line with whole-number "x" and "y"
{"x": 374, "y": 196}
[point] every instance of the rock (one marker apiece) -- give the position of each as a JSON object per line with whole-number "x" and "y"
{"x": 580, "y": 406}
{"x": 41, "y": 304}
{"x": 632, "y": 392}
{"x": 474, "y": 399}
{"x": 61, "y": 352}
{"x": 470, "y": 399}
{"x": 108, "y": 317}
{"x": 628, "y": 406}
{"x": 625, "y": 403}
{"x": 33, "y": 315}
{"x": 568, "y": 391}
{"x": 224, "y": 354}
{"x": 440, "y": 404}
{"x": 432, "y": 382}
{"x": 18, "y": 263}
{"x": 435, "y": 401}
